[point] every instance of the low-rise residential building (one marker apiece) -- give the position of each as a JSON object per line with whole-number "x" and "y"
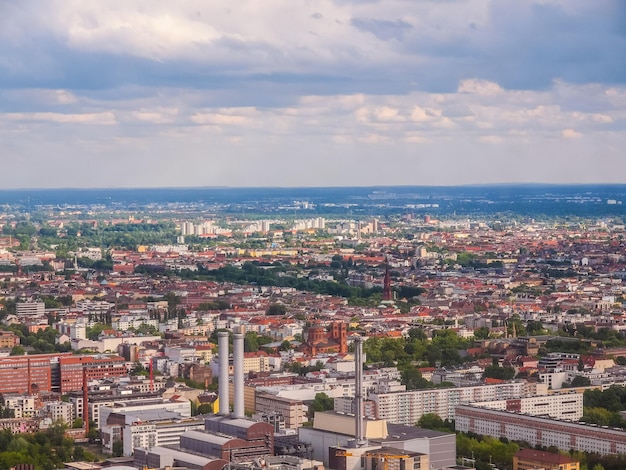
{"x": 530, "y": 459}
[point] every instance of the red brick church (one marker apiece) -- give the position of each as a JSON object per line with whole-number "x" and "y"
{"x": 321, "y": 339}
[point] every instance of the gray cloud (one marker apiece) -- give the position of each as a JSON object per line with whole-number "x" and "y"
{"x": 449, "y": 91}
{"x": 383, "y": 29}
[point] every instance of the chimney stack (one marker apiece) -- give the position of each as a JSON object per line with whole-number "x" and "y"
{"x": 358, "y": 395}
{"x": 238, "y": 408}
{"x": 222, "y": 351}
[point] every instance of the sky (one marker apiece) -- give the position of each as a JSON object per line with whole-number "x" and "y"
{"x": 161, "y": 93}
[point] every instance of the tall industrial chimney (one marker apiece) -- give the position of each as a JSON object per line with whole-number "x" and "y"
{"x": 238, "y": 408}
{"x": 222, "y": 351}
{"x": 85, "y": 401}
{"x": 358, "y": 395}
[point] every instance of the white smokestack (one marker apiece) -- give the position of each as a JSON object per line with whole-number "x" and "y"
{"x": 222, "y": 351}
{"x": 358, "y": 416}
{"x": 238, "y": 408}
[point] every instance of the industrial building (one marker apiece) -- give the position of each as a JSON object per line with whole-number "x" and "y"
{"x": 227, "y": 437}
{"x": 351, "y": 442}
{"x": 332, "y": 430}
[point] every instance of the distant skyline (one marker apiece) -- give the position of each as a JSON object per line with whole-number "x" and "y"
{"x": 154, "y": 93}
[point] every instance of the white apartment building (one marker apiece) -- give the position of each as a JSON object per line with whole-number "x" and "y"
{"x": 60, "y": 411}
{"x": 22, "y": 405}
{"x": 125, "y": 322}
{"x": 139, "y": 431}
{"x": 30, "y": 309}
{"x": 407, "y": 407}
{"x": 95, "y": 307}
{"x": 94, "y": 254}
{"x": 180, "y": 354}
{"x": 563, "y": 406}
{"x": 547, "y": 432}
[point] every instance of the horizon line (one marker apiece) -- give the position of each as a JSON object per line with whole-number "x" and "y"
{"x": 226, "y": 187}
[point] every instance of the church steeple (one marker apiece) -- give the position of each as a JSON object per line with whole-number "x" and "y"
{"x": 387, "y": 294}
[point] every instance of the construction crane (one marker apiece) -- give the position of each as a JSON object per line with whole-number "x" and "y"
{"x": 384, "y": 457}
{"x": 342, "y": 453}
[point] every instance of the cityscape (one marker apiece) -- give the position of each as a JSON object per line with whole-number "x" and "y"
{"x": 302, "y": 328}
{"x": 314, "y": 235}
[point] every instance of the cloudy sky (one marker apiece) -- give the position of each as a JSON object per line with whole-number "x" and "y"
{"x": 133, "y": 93}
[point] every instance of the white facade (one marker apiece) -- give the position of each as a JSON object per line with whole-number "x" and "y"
{"x": 183, "y": 407}
{"x": 149, "y": 435}
{"x": 30, "y": 309}
{"x": 23, "y": 406}
{"x": 60, "y": 411}
{"x": 407, "y": 407}
{"x": 566, "y": 406}
{"x": 541, "y": 431}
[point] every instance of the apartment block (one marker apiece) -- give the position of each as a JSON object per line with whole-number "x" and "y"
{"x": 563, "y": 435}
{"x": 294, "y": 411}
{"x": 23, "y": 406}
{"x": 60, "y": 411}
{"x": 30, "y": 309}
{"x": 564, "y": 406}
{"x": 407, "y": 407}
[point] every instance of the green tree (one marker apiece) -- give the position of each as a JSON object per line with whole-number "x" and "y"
{"x": 412, "y": 378}
{"x": 481, "y": 333}
{"x": 430, "y": 421}
{"x": 580, "y": 381}
{"x": 322, "y": 402}
{"x": 205, "y": 409}
{"x": 17, "y": 351}
{"x": 497, "y": 372}
{"x": 276, "y": 309}
{"x": 251, "y": 342}
{"x": 118, "y": 448}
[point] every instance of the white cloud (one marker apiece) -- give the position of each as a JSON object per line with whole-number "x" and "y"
{"x": 104, "y": 118}
{"x": 312, "y": 85}
{"x": 479, "y": 87}
{"x": 571, "y": 134}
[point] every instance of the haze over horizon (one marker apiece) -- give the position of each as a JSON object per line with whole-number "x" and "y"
{"x": 317, "y": 93}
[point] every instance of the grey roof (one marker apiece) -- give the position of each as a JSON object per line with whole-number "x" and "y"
{"x": 399, "y": 432}
{"x": 181, "y": 456}
{"x": 153, "y": 415}
{"x": 207, "y": 437}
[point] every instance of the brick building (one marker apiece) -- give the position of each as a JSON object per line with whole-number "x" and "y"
{"x": 97, "y": 367}
{"x": 28, "y": 374}
{"x": 319, "y": 339}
